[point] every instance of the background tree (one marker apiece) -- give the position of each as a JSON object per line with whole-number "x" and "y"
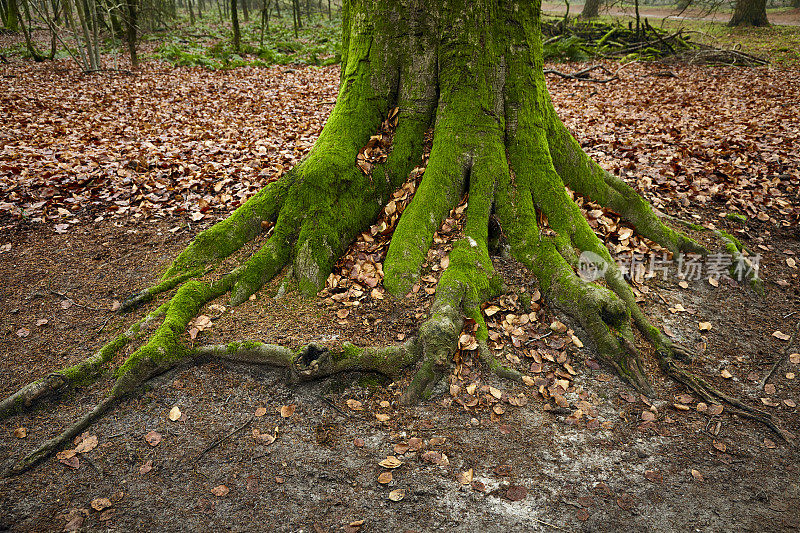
{"x": 472, "y": 73}
{"x": 235, "y": 22}
{"x": 591, "y": 9}
{"x": 749, "y": 13}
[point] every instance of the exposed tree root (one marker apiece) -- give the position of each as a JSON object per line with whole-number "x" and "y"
{"x": 496, "y": 139}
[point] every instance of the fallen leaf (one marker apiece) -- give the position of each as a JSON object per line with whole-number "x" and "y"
{"x": 465, "y": 478}
{"x": 260, "y": 411}
{"x": 382, "y": 417}
{"x": 98, "y": 504}
{"x": 769, "y": 388}
{"x": 720, "y": 446}
{"x": 725, "y": 374}
{"x": 288, "y": 410}
{"x": 263, "y": 438}
{"x": 146, "y": 467}
{"x": 653, "y": 476}
{"x": 20, "y": 432}
{"x": 648, "y": 416}
{"x": 794, "y": 358}
{"x": 385, "y": 478}
{"x": 491, "y": 310}
{"x": 42, "y": 322}
{"x": 704, "y": 326}
{"x": 355, "y": 405}
{"x": 391, "y": 462}
{"x": 715, "y": 409}
{"x": 175, "y": 414}
{"x": 87, "y": 444}
{"x": 220, "y": 491}
{"x": 697, "y": 475}
{"x": 397, "y": 494}
{"x": 782, "y": 336}
{"x": 152, "y": 438}
{"x": 516, "y": 493}
{"x": 23, "y": 332}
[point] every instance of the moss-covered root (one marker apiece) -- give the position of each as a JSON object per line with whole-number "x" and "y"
{"x": 584, "y": 176}
{"x": 79, "y": 374}
{"x": 147, "y": 295}
{"x": 162, "y": 352}
{"x": 314, "y": 361}
{"x": 227, "y": 236}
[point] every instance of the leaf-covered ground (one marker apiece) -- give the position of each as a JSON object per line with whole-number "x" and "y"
{"x": 104, "y": 179}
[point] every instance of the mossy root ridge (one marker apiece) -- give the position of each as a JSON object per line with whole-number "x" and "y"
{"x": 471, "y": 71}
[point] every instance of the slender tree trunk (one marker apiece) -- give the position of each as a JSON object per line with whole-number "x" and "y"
{"x": 27, "y": 26}
{"x": 749, "y": 13}
{"x": 591, "y": 9}
{"x": 245, "y": 10}
{"x": 191, "y": 12}
{"x": 235, "y": 22}
{"x": 11, "y": 20}
{"x": 131, "y": 27}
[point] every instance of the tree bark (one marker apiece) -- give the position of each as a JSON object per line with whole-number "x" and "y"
{"x": 235, "y": 23}
{"x": 591, "y": 9}
{"x": 749, "y": 13}
{"x": 131, "y": 23}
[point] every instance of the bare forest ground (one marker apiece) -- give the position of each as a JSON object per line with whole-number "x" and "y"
{"x": 105, "y": 178}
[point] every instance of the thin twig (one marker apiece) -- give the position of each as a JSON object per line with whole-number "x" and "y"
{"x": 74, "y": 302}
{"x": 548, "y": 524}
{"x": 222, "y": 439}
{"x": 780, "y": 359}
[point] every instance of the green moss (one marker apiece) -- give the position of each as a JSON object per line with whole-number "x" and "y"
{"x": 736, "y": 217}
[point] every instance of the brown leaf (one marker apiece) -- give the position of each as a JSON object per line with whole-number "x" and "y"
{"x": 220, "y": 491}
{"x": 391, "y": 462}
{"x": 385, "y": 477}
{"x": 87, "y": 444}
{"x": 152, "y": 438}
{"x": 98, "y": 504}
{"x": 287, "y": 410}
{"x": 20, "y": 432}
{"x": 516, "y": 493}
{"x": 146, "y": 467}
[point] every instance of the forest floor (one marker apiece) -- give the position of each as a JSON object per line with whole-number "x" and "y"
{"x": 105, "y": 178}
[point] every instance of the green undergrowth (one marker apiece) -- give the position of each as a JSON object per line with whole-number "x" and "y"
{"x": 209, "y": 45}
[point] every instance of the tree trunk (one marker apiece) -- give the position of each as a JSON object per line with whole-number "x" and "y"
{"x": 749, "y": 13}
{"x": 591, "y": 9}
{"x": 472, "y": 73}
{"x": 235, "y": 22}
{"x": 131, "y": 24}
{"x": 11, "y": 16}
{"x": 245, "y": 10}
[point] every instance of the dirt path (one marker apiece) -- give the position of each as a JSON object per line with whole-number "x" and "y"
{"x": 786, "y": 18}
